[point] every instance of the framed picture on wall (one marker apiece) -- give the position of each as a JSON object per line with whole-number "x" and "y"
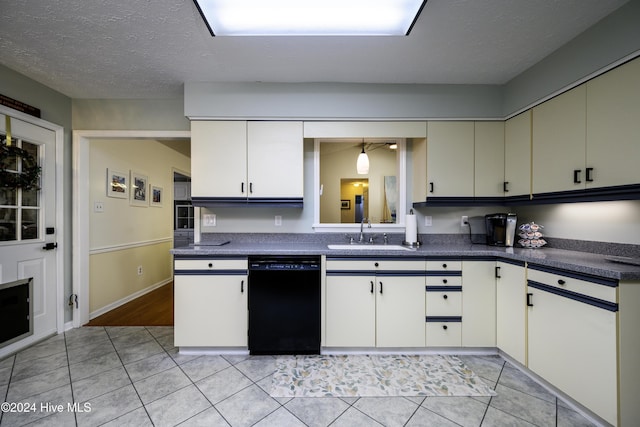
{"x": 157, "y": 196}
{"x": 139, "y": 189}
{"x": 117, "y": 184}
{"x": 345, "y": 204}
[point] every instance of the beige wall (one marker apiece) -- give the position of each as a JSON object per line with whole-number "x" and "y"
{"x": 124, "y": 237}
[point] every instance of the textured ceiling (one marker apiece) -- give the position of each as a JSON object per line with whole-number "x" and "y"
{"x": 148, "y": 49}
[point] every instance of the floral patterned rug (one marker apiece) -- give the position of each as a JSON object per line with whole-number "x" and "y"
{"x": 375, "y": 375}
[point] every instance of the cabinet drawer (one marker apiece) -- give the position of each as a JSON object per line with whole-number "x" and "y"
{"x": 211, "y": 264}
{"x": 375, "y": 265}
{"x": 584, "y": 287}
{"x": 444, "y": 334}
{"x": 444, "y": 280}
{"x": 444, "y": 265}
{"x": 444, "y": 303}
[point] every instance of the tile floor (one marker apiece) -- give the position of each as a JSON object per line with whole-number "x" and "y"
{"x": 133, "y": 376}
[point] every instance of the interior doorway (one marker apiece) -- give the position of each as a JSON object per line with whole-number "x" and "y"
{"x": 87, "y": 245}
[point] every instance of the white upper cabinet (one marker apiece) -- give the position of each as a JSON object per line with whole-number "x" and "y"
{"x": 517, "y": 155}
{"x": 239, "y": 162}
{"x": 489, "y": 159}
{"x": 613, "y": 127}
{"x": 559, "y": 133}
{"x": 275, "y": 159}
{"x": 450, "y": 159}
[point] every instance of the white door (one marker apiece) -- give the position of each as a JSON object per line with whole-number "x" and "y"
{"x": 28, "y": 220}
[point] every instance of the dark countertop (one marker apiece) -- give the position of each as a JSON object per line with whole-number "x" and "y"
{"x": 579, "y": 262}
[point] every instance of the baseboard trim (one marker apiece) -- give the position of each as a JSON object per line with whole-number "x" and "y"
{"x": 128, "y": 298}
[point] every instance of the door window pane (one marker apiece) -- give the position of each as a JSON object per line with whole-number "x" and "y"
{"x": 19, "y": 212}
{"x": 30, "y": 224}
{"x": 8, "y": 196}
{"x": 30, "y": 197}
{"x": 7, "y": 224}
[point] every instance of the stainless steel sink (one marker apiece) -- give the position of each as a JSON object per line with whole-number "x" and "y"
{"x": 370, "y": 247}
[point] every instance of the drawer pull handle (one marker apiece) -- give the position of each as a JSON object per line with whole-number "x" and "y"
{"x": 242, "y": 286}
{"x": 372, "y": 286}
{"x": 445, "y": 281}
{"x": 444, "y": 327}
{"x": 381, "y": 287}
{"x": 210, "y": 265}
{"x": 445, "y": 296}
{"x": 529, "y": 300}
{"x": 376, "y": 265}
{"x": 561, "y": 282}
{"x": 444, "y": 265}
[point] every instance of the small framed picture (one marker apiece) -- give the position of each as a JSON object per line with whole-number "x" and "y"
{"x": 345, "y": 204}
{"x": 139, "y": 189}
{"x": 117, "y": 184}
{"x": 157, "y": 196}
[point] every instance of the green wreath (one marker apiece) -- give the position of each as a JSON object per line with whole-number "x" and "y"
{"x": 28, "y": 179}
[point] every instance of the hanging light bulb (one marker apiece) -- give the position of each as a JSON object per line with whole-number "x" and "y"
{"x": 362, "y": 164}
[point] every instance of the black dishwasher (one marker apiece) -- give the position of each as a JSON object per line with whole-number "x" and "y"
{"x": 284, "y": 305}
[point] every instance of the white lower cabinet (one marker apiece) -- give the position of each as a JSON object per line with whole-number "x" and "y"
{"x": 572, "y": 339}
{"x": 479, "y": 303}
{"x": 371, "y": 303}
{"x": 210, "y": 303}
{"x": 351, "y": 311}
{"x": 511, "y": 314}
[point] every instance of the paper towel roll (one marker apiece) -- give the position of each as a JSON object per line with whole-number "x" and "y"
{"x": 411, "y": 229}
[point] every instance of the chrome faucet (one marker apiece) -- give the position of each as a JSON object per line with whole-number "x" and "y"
{"x": 361, "y": 239}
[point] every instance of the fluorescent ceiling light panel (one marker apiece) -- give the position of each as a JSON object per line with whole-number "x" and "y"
{"x": 310, "y": 17}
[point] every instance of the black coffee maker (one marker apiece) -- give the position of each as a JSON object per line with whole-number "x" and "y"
{"x": 501, "y": 229}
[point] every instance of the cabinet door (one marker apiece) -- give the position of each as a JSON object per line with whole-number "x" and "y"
{"x": 275, "y": 159}
{"x": 419, "y": 169}
{"x": 450, "y": 159}
{"x": 210, "y": 311}
{"x": 400, "y": 313}
{"x": 489, "y": 159}
{"x": 479, "y": 304}
{"x": 510, "y": 311}
{"x": 350, "y": 311}
{"x": 559, "y": 139}
{"x": 218, "y": 159}
{"x": 517, "y": 155}
{"x": 613, "y": 126}
{"x": 573, "y": 346}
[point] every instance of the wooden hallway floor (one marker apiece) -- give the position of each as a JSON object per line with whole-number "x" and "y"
{"x": 152, "y": 309}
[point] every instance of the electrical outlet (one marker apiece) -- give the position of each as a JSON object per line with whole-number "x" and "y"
{"x": 209, "y": 220}
{"x": 98, "y": 207}
{"x": 140, "y": 270}
{"x": 464, "y": 221}
{"x": 278, "y": 220}
{"x": 428, "y": 221}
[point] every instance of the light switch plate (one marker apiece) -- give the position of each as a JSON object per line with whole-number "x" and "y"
{"x": 98, "y": 207}
{"x": 278, "y": 220}
{"x": 428, "y": 221}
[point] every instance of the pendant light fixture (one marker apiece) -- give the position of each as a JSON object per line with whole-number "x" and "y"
{"x": 362, "y": 164}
